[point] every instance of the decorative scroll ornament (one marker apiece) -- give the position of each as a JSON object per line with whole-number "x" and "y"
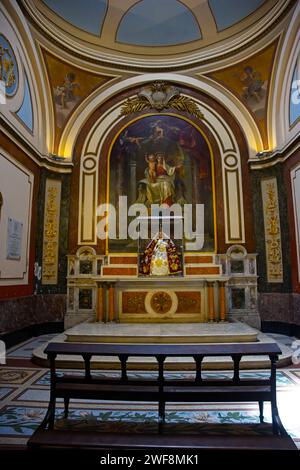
{"x": 272, "y": 230}
{"x": 161, "y": 95}
{"x": 51, "y": 231}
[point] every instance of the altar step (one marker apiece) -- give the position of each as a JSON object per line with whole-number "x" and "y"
{"x": 164, "y": 333}
{"x": 96, "y": 332}
{"x": 194, "y": 265}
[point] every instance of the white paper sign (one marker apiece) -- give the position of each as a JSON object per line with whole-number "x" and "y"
{"x": 14, "y": 239}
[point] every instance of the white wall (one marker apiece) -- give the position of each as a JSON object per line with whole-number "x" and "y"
{"x": 16, "y": 186}
{"x": 295, "y": 180}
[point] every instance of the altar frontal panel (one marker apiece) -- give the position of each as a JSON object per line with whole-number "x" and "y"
{"x": 162, "y": 305}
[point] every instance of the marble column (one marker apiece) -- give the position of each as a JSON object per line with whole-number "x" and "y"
{"x": 211, "y": 301}
{"x": 111, "y": 302}
{"x": 100, "y": 302}
{"x": 222, "y": 301}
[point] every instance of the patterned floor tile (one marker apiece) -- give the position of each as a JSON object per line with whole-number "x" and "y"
{"x": 5, "y": 391}
{"x": 35, "y": 395}
{"x": 20, "y": 421}
{"x": 296, "y": 373}
{"x": 15, "y": 375}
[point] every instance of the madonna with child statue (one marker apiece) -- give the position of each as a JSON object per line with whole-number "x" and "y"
{"x": 160, "y": 258}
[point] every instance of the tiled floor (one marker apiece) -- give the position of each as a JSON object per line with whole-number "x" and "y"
{"x": 24, "y": 395}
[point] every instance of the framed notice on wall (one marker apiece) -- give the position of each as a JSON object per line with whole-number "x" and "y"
{"x": 14, "y": 239}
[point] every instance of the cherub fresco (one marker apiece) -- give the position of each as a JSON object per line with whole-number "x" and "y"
{"x": 253, "y": 84}
{"x": 65, "y": 93}
{"x": 253, "y": 89}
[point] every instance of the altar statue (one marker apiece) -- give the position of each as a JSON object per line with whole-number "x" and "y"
{"x": 161, "y": 258}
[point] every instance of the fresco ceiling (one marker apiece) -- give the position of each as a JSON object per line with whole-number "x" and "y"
{"x": 166, "y": 33}
{"x": 152, "y": 27}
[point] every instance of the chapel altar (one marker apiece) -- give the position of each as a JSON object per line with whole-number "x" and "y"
{"x": 108, "y": 289}
{"x": 165, "y": 160}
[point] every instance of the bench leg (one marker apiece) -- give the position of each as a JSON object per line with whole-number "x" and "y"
{"x": 66, "y": 402}
{"x": 51, "y": 418}
{"x": 46, "y": 419}
{"x": 275, "y": 418}
{"x": 261, "y": 411}
{"x": 161, "y": 415}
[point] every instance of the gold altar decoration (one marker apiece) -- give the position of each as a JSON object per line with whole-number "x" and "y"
{"x": 189, "y": 302}
{"x": 51, "y": 231}
{"x": 161, "y": 302}
{"x": 272, "y": 230}
{"x": 160, "y": 95}
{"x": 134, "y": 302}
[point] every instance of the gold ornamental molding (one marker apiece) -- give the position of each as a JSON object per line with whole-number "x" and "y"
{"x": 51, "y": 231}
{"x": 161, "y": 95}
{"x": 272, "y": 230}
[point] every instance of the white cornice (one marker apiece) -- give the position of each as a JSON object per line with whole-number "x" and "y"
{"x": 279, "y": 156}
{"x": 43, "y": 161}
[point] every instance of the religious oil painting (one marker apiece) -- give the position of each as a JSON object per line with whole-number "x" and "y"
{"x": 162, "y": 159}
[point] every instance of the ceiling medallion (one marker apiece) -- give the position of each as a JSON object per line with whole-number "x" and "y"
{"x": 160, "y": 96}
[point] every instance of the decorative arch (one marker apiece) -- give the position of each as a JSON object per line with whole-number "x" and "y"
{"x": 35, "y": 121}
{"x": 200, "y": 84}
{"x": 282, "y": 132}
{"x": 228, "y": 145}
{"x": 294, "y": 114}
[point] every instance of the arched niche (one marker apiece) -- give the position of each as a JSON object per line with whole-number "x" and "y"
{"x": 282, "y": 131}
{"x": 27, "y": 109}
{"x": 93, "y": 146}
{"x": 162, "y": 159}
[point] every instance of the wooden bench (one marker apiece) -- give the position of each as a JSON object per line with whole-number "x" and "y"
{"x": 163, "y": 390}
